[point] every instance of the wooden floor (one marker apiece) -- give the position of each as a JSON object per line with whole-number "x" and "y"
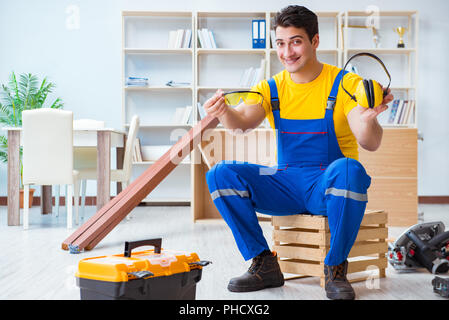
{"x": 33, "y": 265}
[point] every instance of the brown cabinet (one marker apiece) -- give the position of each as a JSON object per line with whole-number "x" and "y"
{"x": 393, "y": 170}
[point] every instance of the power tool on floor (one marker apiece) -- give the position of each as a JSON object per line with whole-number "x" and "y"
{"x": 424, "y": 245}
{"x": 441, "y": 286}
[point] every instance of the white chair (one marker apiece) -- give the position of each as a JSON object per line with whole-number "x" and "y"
{"x": 117, "y": 175}
{"x": 48, "y": 154}
{"x": 83, "y": 158}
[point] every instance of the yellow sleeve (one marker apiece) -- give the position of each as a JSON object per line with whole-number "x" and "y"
{"x": 350, "y": 82}
{"x": 264, "y": 89}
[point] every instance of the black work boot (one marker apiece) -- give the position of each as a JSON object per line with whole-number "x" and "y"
{"x": 336, "y": 285}
{"x": 264, "y": 272}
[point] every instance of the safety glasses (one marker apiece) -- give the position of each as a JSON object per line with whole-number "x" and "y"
{"x": 234, "y": 98}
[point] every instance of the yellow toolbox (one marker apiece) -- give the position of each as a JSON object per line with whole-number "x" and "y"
{"x": 143, "y": 275}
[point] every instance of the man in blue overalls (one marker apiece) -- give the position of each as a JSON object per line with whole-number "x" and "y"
{"x": 318, "y": 128}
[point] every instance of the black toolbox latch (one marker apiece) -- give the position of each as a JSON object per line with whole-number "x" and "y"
{"x": 141, "y": 274}
{"x": 201, "y": 263}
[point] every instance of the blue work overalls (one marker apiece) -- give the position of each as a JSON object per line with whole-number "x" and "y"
{"x": 312, "y": 176}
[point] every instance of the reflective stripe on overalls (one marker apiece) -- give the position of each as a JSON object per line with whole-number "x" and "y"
{"x": 312, "y": 176}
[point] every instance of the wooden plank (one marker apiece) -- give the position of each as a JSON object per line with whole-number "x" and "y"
{"x": 378, "y": 217}
{"x": 294, "y": 251}
{"x": 312, "y": 268}
{"x": 301, "y": 221}
{"x": 99, "y": 225}
{"x": 362, "y": 265}
{"x": 366, "y": 233}
{"x": 367, "y": 247}
{"x": 13, "y": 177}
{"x": 301, "y": 267}
{"x": 301, "y": 237}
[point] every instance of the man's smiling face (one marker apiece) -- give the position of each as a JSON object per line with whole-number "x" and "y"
{"x": 294, "y": 48}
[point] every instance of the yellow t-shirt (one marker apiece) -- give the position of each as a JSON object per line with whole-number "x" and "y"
{"x": 308, "y": 101}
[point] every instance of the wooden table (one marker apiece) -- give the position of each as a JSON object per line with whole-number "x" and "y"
{"x": 102, "y": 138}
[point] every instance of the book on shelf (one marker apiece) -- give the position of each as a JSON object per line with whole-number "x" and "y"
{"x": 137, "y": 81}
{"x": 273, "y": 39}
{"x": 206, "y": 39}
{"x": 201, "y": 110}
{"x": 252, "y": 76}
{"x": 179, "y": 38}
{"x": 182, "y": 115}
{"x": 400, "y": 112}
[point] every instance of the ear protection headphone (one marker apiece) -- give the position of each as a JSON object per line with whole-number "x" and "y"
{"x": 369, "y": 92}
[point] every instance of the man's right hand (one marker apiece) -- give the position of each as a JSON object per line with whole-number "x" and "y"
{"x": 216, "y": 105}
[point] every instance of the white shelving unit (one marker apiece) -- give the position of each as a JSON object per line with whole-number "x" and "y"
{"x": 401, "y": 62}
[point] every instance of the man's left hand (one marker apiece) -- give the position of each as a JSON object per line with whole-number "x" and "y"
{"x": 368, "y": 114}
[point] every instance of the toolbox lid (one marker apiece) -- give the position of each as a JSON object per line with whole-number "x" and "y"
{"x": 143, "y": 264}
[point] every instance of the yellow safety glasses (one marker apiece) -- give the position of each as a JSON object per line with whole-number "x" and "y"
{"x": 234, "y": 98}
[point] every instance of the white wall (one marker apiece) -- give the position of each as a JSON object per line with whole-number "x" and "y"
{"x": 85, "y": 62}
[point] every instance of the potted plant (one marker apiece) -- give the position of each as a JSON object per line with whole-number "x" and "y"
{"x": 17, "y": 96}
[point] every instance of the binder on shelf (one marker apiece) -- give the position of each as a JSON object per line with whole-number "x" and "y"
{"x": 258, "y": 34}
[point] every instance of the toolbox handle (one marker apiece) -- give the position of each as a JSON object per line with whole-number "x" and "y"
{"x": 130, "y": 245}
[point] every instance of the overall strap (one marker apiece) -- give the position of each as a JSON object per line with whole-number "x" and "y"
{"x": 273, "y": 94}
{"x": 334, "y": 91}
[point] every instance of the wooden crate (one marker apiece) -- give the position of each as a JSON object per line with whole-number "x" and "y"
{"x": 302, "y": 242}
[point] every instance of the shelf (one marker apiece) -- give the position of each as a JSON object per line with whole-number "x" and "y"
{"x": 186, "y": 14}
{"x": 230, "y": 51}
{"x": 398, "y": 126}
{"x": 381, "y": 50}
{"x": 323, "y": 51}
{"x": 223, "y": 88}
{"x": 382, "y": 13}
{"x": 157, "y": 51}
{"x": 155, "y": 88}
{"x": 402, "y": 88}
{"x": 155, "y": 126}
{"x": 231, "y": 14}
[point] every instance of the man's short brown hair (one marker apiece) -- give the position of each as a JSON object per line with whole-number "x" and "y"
{"x": 298, "y": 17}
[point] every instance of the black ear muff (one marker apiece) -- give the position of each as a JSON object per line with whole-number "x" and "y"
{"x": 371, "y": 92}
{"x": 367, "y": 91}
{"x": 368, "y": 85}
